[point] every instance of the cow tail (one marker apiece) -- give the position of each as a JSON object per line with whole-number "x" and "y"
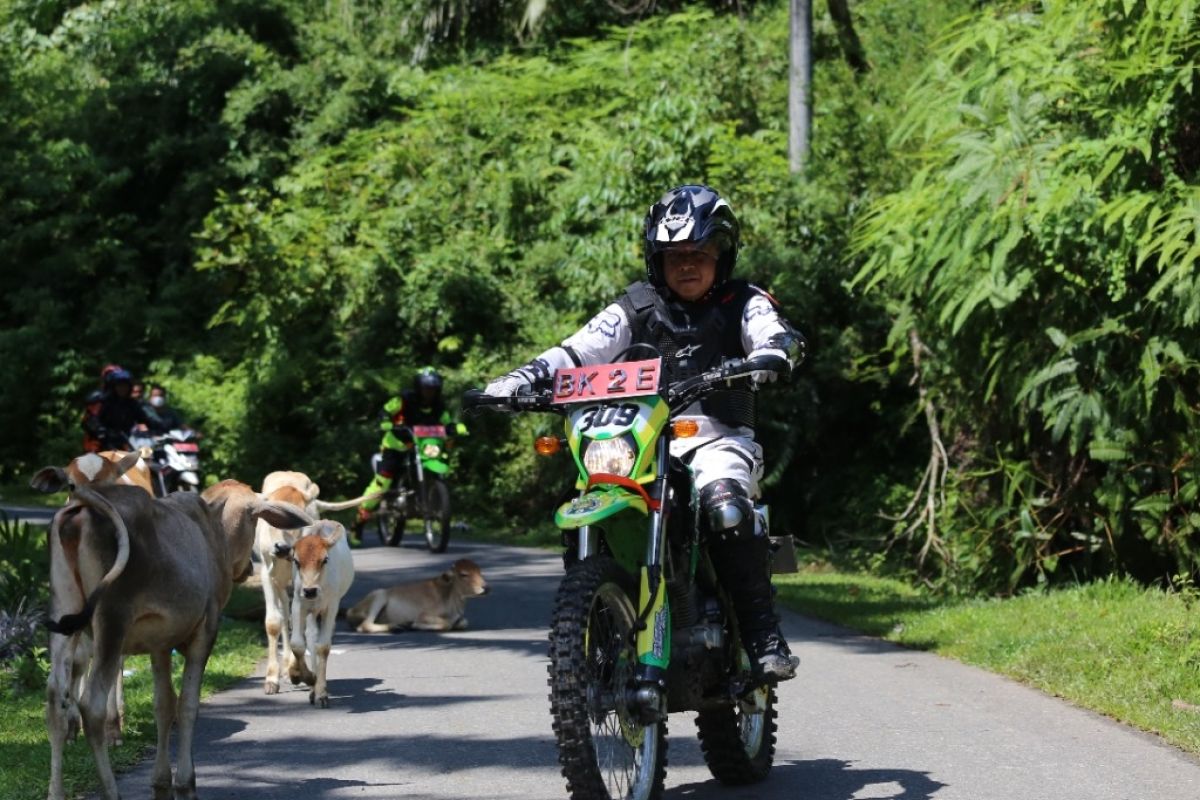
{"x": 71, "y": 623}
{"x": 344, "y": 504}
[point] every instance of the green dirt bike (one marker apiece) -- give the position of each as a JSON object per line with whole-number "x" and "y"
{"x": 641, "y": 627}
{"x": 420, "y": 490}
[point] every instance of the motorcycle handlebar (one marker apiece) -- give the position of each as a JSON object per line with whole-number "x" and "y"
{"x": 679, "y": 395}
{"x": 539, "y": 401}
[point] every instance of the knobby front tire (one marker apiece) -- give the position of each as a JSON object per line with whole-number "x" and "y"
{"x": 437, "y": 511}
{"x": 738, "y": 739}
{"x": 605, "y": 753}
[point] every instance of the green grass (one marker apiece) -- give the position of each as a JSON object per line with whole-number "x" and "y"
{"x": 25, "y": 747}
{"x": 1113, "y": 647}
{"x": 20, "y": 494}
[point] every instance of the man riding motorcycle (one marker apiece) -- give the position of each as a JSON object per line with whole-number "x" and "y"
{"x": 691, "y": 310}
{"x": 117, "y": 413}
{"x": 421, "y": 405}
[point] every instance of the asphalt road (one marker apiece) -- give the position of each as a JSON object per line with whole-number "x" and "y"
{"x": 465, "y": 715}
{"x": 31, "y": 514}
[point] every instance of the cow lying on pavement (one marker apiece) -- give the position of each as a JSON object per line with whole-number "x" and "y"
{"x": 434, "y": 604}
{"x": 323, "y": 570}
{"x": 142, "y": 576}
{"x": 273, "y": 546}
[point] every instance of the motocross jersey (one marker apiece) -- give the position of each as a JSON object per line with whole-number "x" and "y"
{"x": 737, "y": 320}
{"x": 407, "y": 409}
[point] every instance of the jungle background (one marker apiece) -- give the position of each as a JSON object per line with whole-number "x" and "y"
{"x": 282, "y": 208}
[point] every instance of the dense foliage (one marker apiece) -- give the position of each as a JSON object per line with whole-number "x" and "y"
{"x": 282, "y": 209}
{"x": 1046, "y": 252}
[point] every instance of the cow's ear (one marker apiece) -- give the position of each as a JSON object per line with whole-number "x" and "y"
{"x": 281, "y": 515}
{"x": 447, "y": 577}
{"x": 216, "y": 509}
{"x": 49, "y": 480}
{"x": 127, "y": 463}
{"x": 314, "y": 491}
{"x": 331, "y": 532}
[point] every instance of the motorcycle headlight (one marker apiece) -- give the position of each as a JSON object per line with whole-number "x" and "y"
{"x": 431, "y": 451}
{"x": 610, "y": 456}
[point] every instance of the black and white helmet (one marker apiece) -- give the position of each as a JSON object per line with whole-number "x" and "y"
{"x": 695, "y": 214}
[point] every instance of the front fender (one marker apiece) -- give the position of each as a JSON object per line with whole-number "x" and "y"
{"x": 435, "y": 465}
{"x": 597, "y": 505}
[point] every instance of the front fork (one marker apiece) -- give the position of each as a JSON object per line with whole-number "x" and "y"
{"x": 654, "y": 632}
{"x": 647, "y": 696}
{"x": 421, "y": 492}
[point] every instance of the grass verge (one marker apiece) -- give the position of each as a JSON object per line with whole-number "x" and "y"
{"x": 17, "y": 494}
{"x": 25, "y": 748}
{"x": 1122, "y": 650}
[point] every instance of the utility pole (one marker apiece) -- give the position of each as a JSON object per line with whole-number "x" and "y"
{"x": 800, "y": 85}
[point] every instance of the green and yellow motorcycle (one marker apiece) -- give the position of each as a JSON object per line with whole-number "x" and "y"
{"x": 420, "y": 490}
{"x": 641, "y": 627}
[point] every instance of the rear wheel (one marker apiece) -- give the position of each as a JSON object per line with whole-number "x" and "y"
{"x": 606, "y": 752}
{"x": 437, "y": 515}
{"x": 738, "y": 739}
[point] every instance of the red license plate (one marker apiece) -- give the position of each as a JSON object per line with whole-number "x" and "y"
{"x": 429, "y": 431}
{"x": 606, "y": 381}
{"x": 186, "y": 447}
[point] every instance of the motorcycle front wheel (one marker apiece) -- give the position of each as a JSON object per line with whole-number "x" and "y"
{"x": 606, "y": 752}
{"x": 738, "y": 739}
{"x": 390, "y": 524}
{"x": 437, "y": 515}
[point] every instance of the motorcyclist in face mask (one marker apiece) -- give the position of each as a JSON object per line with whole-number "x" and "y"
{"x": 156, "y": 407}
{"x": 696, "y": 315}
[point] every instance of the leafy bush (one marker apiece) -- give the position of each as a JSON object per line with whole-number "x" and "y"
{"x": 24, "y": 567}
{"x": 1045, "y": 251}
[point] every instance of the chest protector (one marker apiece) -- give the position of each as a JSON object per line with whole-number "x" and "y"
{"x": 693, "y": 338}
{"x": 417, "y": 413}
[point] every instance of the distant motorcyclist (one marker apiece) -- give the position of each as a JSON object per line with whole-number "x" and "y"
{"x": 118, "y": 414}
{"x": 91, "y": 421}
{"x": 156, "y": 407}
{"x": 421, "y": 405}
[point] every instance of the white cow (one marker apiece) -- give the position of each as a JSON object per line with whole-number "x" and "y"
{"x": 274, "y": 546}
{"x": 323, "y": 570}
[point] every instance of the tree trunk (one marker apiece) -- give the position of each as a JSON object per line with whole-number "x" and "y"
{"x": 852, "y": 47}
{"x": 800, "y": 85}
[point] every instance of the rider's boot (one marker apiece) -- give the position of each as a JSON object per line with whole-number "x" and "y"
{"x": 360, "y": 521}
{"x": 743, "y": 568}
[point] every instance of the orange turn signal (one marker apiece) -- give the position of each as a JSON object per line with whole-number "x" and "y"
{"x": 685, "y": 428}
{"x": 546, "y": 445}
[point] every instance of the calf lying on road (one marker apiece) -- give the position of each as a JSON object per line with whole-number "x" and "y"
{"x": 322, "y": 571}
{"x": 435, "y": 604}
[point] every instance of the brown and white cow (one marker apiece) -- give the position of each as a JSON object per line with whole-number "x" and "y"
{"x": 322, "y": 572}
{"x": 273, "y": 546}
{"x": 141, "y": 576}
{"x": 94, "y": 469}
{"x": 107, "y": 466}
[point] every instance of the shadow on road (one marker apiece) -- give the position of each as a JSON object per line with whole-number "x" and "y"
{"x": 375, "y": 763}
{"x": 825, "y": 779}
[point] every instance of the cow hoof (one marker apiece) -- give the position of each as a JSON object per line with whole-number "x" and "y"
{"x": 271, "y": 687}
